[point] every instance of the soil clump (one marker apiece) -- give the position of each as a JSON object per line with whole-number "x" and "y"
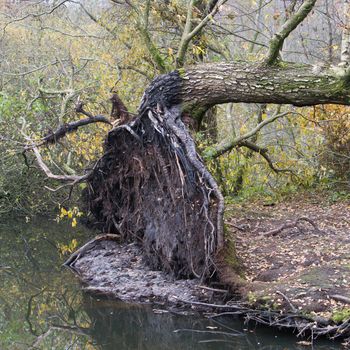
{"x": 119, "y": 271}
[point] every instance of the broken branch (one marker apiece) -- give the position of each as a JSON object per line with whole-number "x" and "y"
{"x": 264, "y": 153}
{"x": 227, "y": 146}
{"x": 293, "y": 224}
{"x": 277, "y": 41}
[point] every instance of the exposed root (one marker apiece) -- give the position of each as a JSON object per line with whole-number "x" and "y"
{"x": 174, "y": 121}
{"x": 341, "y": 298}
{"x": 151, "y": 186}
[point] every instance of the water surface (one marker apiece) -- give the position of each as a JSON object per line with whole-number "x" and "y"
{"x": 43, "y": 307}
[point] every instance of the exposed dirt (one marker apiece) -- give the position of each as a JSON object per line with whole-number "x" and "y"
{"x": 296, "y": 272}
{"x": 302, "y": 269}
{"x": 118, "y": 270}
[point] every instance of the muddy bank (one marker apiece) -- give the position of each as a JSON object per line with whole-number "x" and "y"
{"x": 118, "y": 270}
{"x": 295, "y": 273}
{"x": 295, "y": 258}
{"x": 309, "y": 263}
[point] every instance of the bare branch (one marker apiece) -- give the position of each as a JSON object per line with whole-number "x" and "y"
{"x": 189, "y": 33}
{"x": 36, "y": 69}
{"x": 35, "y": 15}
{"x": 292, "y": 22}
{"x": 53, "y": 136}
{"x": 67, "y": 128}
{"x": 74, "y": 179}
{"x": 137, "y": 70}
{"x": 93, "y": 18}
{"x": 227, "y": 146}
{"x": 264, "y": 153}
{"x": 290, "y": 225}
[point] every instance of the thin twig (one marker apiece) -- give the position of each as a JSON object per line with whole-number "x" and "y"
{"x": 292, "y": 307}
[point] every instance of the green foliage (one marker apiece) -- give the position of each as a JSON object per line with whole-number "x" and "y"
{"x": 292, "y": 144}
{"x": 334, "y": 121}
{"x": 342, "y": 315}
{"x": 106, "y": 57}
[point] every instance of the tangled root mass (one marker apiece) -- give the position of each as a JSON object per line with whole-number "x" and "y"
{"x": 151, "y": 187}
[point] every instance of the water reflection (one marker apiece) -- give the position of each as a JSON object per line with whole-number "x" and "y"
{"x": 42, "y": 306}
{"x": 122, "y": 326}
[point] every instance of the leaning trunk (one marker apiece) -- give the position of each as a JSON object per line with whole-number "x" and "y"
{"x": 151, "y": 186}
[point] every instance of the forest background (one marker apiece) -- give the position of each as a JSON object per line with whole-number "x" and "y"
{"x": 55, "y": 53}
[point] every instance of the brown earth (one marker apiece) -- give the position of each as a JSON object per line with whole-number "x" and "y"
{"x": 304, "y": 267}
{"x": 294, "y": 260}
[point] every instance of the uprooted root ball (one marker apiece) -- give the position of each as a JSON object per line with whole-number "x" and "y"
{"x": 151, "y": 186}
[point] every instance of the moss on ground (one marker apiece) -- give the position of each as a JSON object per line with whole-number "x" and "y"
{"x": 342, "y": 315}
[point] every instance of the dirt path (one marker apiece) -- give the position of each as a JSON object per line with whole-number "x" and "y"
{"x": 303, "y": 268}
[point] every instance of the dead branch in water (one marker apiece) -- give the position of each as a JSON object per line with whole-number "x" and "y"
{"x": 89, "y": 245}
{"x": 292, "y": 320}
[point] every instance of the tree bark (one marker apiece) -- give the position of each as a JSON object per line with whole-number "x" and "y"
{"x": 204, "y": 86}
{"x": 345, "y": 43}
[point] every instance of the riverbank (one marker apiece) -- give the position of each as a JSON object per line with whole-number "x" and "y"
{"x": 295, "y": 268}
{"x": 295, "y": 258}
{"x": 42, "y": 305}
{"x": 118, "y": 270}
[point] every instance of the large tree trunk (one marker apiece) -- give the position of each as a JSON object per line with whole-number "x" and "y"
{"x": 206, "y": 85}
{"x": 151, "y": 186}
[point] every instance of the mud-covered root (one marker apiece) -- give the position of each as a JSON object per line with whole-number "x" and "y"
{"x": 151, "y": 186}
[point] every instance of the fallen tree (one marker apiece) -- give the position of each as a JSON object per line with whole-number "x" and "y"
{"x": 151, "y": 185}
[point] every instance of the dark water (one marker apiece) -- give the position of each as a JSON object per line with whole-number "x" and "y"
{"x": 42, "y": 306}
